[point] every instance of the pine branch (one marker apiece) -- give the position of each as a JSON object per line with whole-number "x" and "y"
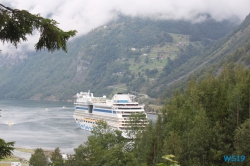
{"x": 16, "y": 24}
{"x": 6, "y": 7}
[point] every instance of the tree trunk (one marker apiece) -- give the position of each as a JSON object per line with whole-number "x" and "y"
{"x": 237, "y": 113}
{"x": 249, "y": 104}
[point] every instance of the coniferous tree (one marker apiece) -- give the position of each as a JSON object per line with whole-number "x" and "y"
{"x": 56, "y": 158}
{"x": 70, "y": 161}
{"x": 241, "y": 141}
{"x": 16, "y": 24}
{"x": 6, "y": 148}
{"x": 105, "y": 146}
{"x": 143, "y": 145}
{"x": 200, "y": 123}
{"x": 38, "y": 158}
{"x": 148, "y": 143}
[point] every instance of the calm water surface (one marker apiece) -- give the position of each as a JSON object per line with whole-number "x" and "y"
{"x": 41, "y": 124}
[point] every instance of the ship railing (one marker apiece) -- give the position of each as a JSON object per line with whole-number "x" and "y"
{"x": 128, "y": 121}
{"x": 80, "y": 114}
{"x": 128, "y": 111}
{"x": 128, "y": 118}
{"x": 82, "y": 100}
{"x": 131, "y": 111}
{"x": 99, "y": 100}
{"x": 137, "y": 125}
{"x": 80, "y": 103}
{"x": 129, "y": 106}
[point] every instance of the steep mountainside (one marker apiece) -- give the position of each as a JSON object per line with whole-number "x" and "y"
{"x": 129, "y": 54}
{"x": 234, "y": 47}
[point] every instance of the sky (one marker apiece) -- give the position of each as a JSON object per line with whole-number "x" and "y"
{"x": 85, "y": 15}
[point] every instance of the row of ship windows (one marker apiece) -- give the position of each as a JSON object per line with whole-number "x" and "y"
{"x": 86, "y": 121}
{"x": 128, "y": 121}
{"x": 127, "y": 112}
{"x": 129, "y": 108}
{"x": 126, "y": 115}
{"x": 89, "y": 122}
{"x": 124, "y": 128}
{"x": 142, "y": 125}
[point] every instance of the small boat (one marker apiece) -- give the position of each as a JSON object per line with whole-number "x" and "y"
{"x": 10, "y": 123}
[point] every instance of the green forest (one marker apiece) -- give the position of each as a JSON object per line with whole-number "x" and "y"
{"x": 200, "y": 126}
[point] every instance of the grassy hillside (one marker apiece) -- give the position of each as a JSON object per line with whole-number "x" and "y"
{"x": 129, "y": 54}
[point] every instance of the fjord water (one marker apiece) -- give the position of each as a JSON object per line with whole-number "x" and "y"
{"x": 42, "y": 124}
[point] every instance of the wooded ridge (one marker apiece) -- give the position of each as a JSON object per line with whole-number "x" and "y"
{"x": 131, "y": 54}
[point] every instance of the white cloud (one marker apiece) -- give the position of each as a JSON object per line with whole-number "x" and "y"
{"x": 84, "y": 15}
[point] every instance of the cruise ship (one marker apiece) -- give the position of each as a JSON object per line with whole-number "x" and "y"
{"x": 116, "y": 112}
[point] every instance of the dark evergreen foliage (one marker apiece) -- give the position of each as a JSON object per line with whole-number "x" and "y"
{"x": 38, "y": 158}
{"x": 56, "y": 158}
{"x": 16, "y": 24}
{"x": 104, "y": 147}
{"x": 6, "y": 148}
{"x": 201, "y": 123}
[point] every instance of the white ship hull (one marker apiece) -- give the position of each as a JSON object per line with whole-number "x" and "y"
{"x": 85, "y": 126}
{"x": 89, "y": 109}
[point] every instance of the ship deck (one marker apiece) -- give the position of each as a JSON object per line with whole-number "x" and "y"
{"x": 111, "y": 119}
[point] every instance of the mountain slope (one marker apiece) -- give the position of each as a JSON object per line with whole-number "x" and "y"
{"x": 129, "y": 53}
{"x": 232, "y": 48}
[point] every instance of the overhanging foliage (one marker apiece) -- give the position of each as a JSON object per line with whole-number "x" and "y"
{"x": 16, "y": 24}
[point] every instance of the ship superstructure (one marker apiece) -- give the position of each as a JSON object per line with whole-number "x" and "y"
{"x": 116, "y": 112}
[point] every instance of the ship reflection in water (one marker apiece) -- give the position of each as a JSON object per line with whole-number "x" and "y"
{"x": 32, "y": 127}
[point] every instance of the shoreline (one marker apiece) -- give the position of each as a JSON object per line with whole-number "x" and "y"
{"x": 22, "y": 155}
{"x": 29, "y": 151}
